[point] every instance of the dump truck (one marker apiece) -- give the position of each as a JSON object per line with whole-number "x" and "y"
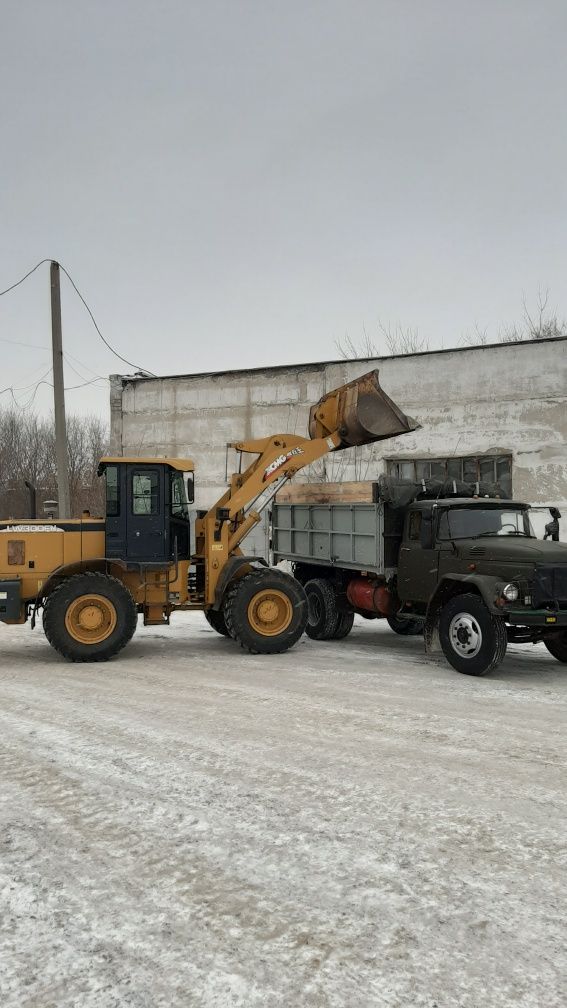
{"x": 92, "y": 577}
{"x": 466, "y": 572}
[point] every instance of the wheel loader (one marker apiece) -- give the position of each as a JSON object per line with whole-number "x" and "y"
{"x": 91, "y": 577}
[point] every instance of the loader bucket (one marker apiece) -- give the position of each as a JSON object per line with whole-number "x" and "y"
{"x": 361, "y": 412}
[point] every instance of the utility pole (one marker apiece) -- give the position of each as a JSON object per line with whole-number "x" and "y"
{"x": 63, "y": 492}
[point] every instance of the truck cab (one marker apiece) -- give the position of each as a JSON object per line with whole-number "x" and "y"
{"x": 474, "y": 565}
{"x": 439, "y": 535}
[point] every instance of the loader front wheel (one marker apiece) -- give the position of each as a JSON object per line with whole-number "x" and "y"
{"x": 266, "y": 611}
{"x": 89, "y": 617}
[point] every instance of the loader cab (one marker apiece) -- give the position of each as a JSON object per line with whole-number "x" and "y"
{"x": 147, "y": 509}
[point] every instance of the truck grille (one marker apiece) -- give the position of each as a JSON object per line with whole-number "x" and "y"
{"x": 550, "y": 587}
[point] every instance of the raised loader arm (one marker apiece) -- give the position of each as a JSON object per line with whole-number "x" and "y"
{"x": 357, "y": 413}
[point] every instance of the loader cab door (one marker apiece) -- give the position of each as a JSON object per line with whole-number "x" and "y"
{"x": 146, "y": 524}
{"x": 179, "y": 495}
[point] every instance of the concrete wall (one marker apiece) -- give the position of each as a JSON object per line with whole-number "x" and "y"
{"x": 503, "y": 399}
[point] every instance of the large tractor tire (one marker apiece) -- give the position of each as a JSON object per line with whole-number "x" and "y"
{"x": 322, "y": 613}
{"x": 215, "y": 619}
{"x": 557, "y": 646}
{"x": 405, "y": 627}
{"x": 473, "y": 640}
{"x": 89, "y": 617}
{"x": 265, "y": 611}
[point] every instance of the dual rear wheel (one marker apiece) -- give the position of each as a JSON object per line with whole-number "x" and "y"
{"x": 325, "y": 619}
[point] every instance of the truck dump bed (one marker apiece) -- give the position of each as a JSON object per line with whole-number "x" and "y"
{"x": 360, "y": 533}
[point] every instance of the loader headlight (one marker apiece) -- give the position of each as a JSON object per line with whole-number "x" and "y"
{"x": 511, "y": 592}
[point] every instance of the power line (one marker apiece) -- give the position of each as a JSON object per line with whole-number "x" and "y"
{"x": 78, "y": 373}
{"x": 70, "y": 388}
{"x": 42, "y": 381}
{"x": 31, "y": 399}
{"x": 106, "y": 343}
{"x": 24, "y": 388}
{"x": 29, "y": 273}
{"x": 77, "y": 291}
{"x": 33, "y": 346}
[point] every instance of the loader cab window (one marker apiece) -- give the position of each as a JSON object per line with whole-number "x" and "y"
{"x": 112, "y": 492}
{"x": 179, "y": 501}
{"x": 145, "y": 493}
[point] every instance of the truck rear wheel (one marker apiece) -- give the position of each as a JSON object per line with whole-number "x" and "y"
{"x": 89, "y": 617}
{"x": 344, "y": 625}
{"x": 473, "y": 640}
{"x": 322, "y": 613}
{"x": 266, "y": 612}
{"x": 215, "y": 619}
{"x": 405, "y": 627}
{"x": 557, "y": 646}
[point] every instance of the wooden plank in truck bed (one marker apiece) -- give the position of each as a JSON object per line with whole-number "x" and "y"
{"x": 329, "y": 493}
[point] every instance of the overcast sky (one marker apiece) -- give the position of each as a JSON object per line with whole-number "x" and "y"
{"x": 235, "y": 184}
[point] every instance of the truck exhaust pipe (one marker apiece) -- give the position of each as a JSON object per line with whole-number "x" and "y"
{"x": 361, "y": 412}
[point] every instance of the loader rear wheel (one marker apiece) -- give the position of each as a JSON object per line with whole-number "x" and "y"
{"x": 89, "y": 617}
{"x": 215, "y": 619}
{"x": 265, "y": 611}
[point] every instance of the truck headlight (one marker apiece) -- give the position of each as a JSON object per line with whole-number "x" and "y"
{"x": 511, "y": 592}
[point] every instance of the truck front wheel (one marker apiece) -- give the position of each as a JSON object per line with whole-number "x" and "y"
{"x": 557, "y": 646}
{"x": 266, "y": 612}
{"x": 473, "y": 640}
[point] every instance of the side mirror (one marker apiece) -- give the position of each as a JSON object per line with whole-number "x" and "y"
{"x": 190, "y": 488}
{"x": 426, "y": 532}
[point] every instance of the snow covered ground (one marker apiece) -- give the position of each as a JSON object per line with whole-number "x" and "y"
{"x": 348, "y": 824}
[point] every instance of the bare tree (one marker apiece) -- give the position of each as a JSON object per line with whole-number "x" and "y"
{"x": 27, "y": 453}
{"x": 538, "y": 323}
{"x": 351, "y": 350}
{"x": 479, "y": 337}
{"x": 542, "y": 324}
{"x": 396, "y": 339}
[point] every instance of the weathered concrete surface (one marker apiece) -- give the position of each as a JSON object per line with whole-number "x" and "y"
{"x": 505, "y": 399}
{"x": 344, "y": 825}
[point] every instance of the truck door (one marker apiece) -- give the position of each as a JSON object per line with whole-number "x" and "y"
{"x": 146, "y": 540}
{"x": 418, "y": 558}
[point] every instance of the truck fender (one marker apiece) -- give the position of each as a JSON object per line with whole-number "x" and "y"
{"x": 230, "y": 571}
{"x": 454, "y": 584}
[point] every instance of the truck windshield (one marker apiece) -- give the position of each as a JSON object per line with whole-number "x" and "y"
{"x": 471, "y": 523}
